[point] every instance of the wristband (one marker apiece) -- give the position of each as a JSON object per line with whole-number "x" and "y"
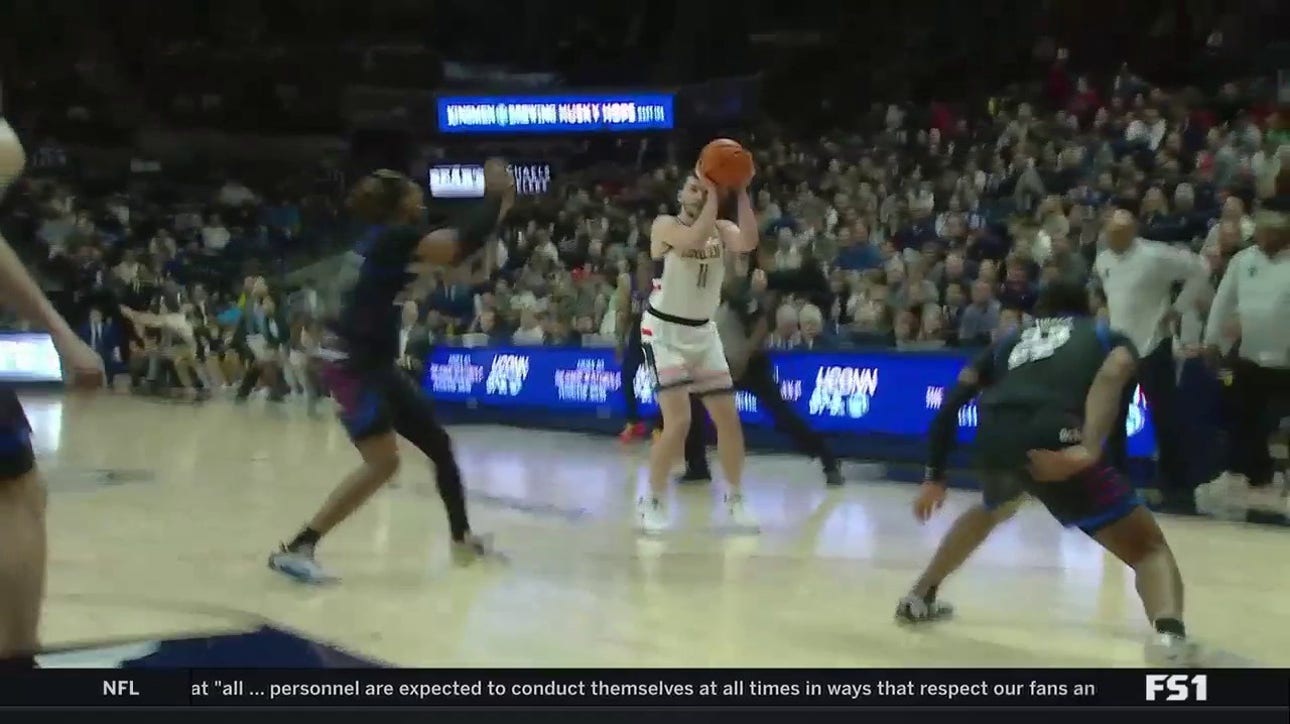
{"x": 934, "y": 474}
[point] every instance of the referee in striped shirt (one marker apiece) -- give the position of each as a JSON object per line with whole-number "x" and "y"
{"x": 1251, "y": 311}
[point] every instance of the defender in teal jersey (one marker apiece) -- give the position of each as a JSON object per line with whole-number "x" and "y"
{"x": 1047, "y": 396}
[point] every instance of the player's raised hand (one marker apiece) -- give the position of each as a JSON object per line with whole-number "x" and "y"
{"x": 743, "y": 188}
{"x": 1050, "y": 466}
{"x": 498, "y": 179}
{"x": 708, "y": 184}
{"x": 931, "y": 496}
{"x": 497, "y": 175}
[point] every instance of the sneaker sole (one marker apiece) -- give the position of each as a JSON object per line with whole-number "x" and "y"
{"x": 303, "y": 580}
{"x": 945, "y": 614}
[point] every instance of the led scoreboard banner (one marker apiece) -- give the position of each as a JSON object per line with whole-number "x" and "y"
{"x": 466, "y": 180}
{"x": 571, "y": 113}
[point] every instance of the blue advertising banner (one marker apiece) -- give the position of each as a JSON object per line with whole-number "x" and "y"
{"x": 568, "y": 113}
{"x": 838, "y": 392}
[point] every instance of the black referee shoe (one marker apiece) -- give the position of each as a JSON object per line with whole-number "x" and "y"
{"x": 833, "y": 476}
{"x": 694, "y": 477}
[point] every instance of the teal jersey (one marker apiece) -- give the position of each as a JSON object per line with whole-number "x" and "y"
{"x": 1050, "y": 362}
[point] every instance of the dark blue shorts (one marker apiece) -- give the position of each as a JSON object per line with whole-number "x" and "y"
{"x": 1090, "y": 501}
{"x": 373, "y": 401}
{"x": 16, "y": 455}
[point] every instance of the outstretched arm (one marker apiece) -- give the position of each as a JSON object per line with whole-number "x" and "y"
{"x": 24, "y": 296}
{"x": 744, "y": 234}
{"x": 173, "y": 322}
{"x": 943, "y": 432}
{"x": 451, "y": 244}
{"x": 21, "y": 293}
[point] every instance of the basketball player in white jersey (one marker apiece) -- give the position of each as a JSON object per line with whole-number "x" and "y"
{"x": 681, "y": 342}
{"x": 22, "y": 490}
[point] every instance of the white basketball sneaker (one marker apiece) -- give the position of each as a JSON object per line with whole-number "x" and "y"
{"x": 740, "y": 516}
{"x": 1167, "y": 651}
{"x": 1269, "y": 498}
{"x": 1226, "y": 492}
{"x": 651, "y": 517}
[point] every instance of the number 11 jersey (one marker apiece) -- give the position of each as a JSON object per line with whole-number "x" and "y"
{"x": 690, "y": 285}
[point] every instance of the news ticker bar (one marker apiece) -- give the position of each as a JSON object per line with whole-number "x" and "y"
{"x": 689, "y": 689}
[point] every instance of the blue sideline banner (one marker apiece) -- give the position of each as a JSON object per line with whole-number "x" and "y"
{"x": 29, "y": 357}
{"x": 565, "y": 113}
{"x": 879, "y": 392}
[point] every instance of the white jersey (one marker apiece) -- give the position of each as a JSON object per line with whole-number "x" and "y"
{"x": 690, "y": 285}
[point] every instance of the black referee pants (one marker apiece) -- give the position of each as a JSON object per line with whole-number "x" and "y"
{"x": 633, "y": 358}
{"x": 1259, "y": 397}
{"x": 759, "y": 381}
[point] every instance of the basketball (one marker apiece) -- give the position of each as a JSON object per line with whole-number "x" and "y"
{"x": 726, "y": 163}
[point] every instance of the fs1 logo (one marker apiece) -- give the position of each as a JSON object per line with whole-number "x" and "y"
{"x": 1177, "y": 687}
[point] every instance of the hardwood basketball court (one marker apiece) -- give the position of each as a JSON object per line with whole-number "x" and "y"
{"x": 162, "y": 515}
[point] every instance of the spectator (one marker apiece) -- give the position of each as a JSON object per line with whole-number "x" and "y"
{"x": 954, "y": 270}
{"x": 487, "y": 325}
{"x": 234, "y": 194}
{"x": 856, "y": 250}
{"x": 214, "y": 236}
{"x": 264, "y": 334}
{"x": 916, "y": 290}
{"x": 785, "y": 335}
{"x": 955, "y": 299}
{"x": 103, "y": 336}
{"x": 1147, "y": 130}
{"x": 1234, "y": 212}
{"x": 1067, "y": 264}
{"x": 933, "y": 332}
{"x": 980, "y": 318}
{"x": 811, "y": 333}
{"x": 1017, "y": 292}
{"x": 530, "y": 330}
{"x": 1009, "y": 321}
{"x": 1186, "y": 223}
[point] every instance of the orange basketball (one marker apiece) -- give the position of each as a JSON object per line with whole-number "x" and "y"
{"x": 726, "y": 163}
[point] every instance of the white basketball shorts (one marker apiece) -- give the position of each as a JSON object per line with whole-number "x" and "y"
{"x": 684, "y": 355}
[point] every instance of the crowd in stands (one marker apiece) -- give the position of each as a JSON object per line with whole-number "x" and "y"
{"x": 195, "y": 259}
{"x": 927, "y": 226}
{"x": 935, "y": 230}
